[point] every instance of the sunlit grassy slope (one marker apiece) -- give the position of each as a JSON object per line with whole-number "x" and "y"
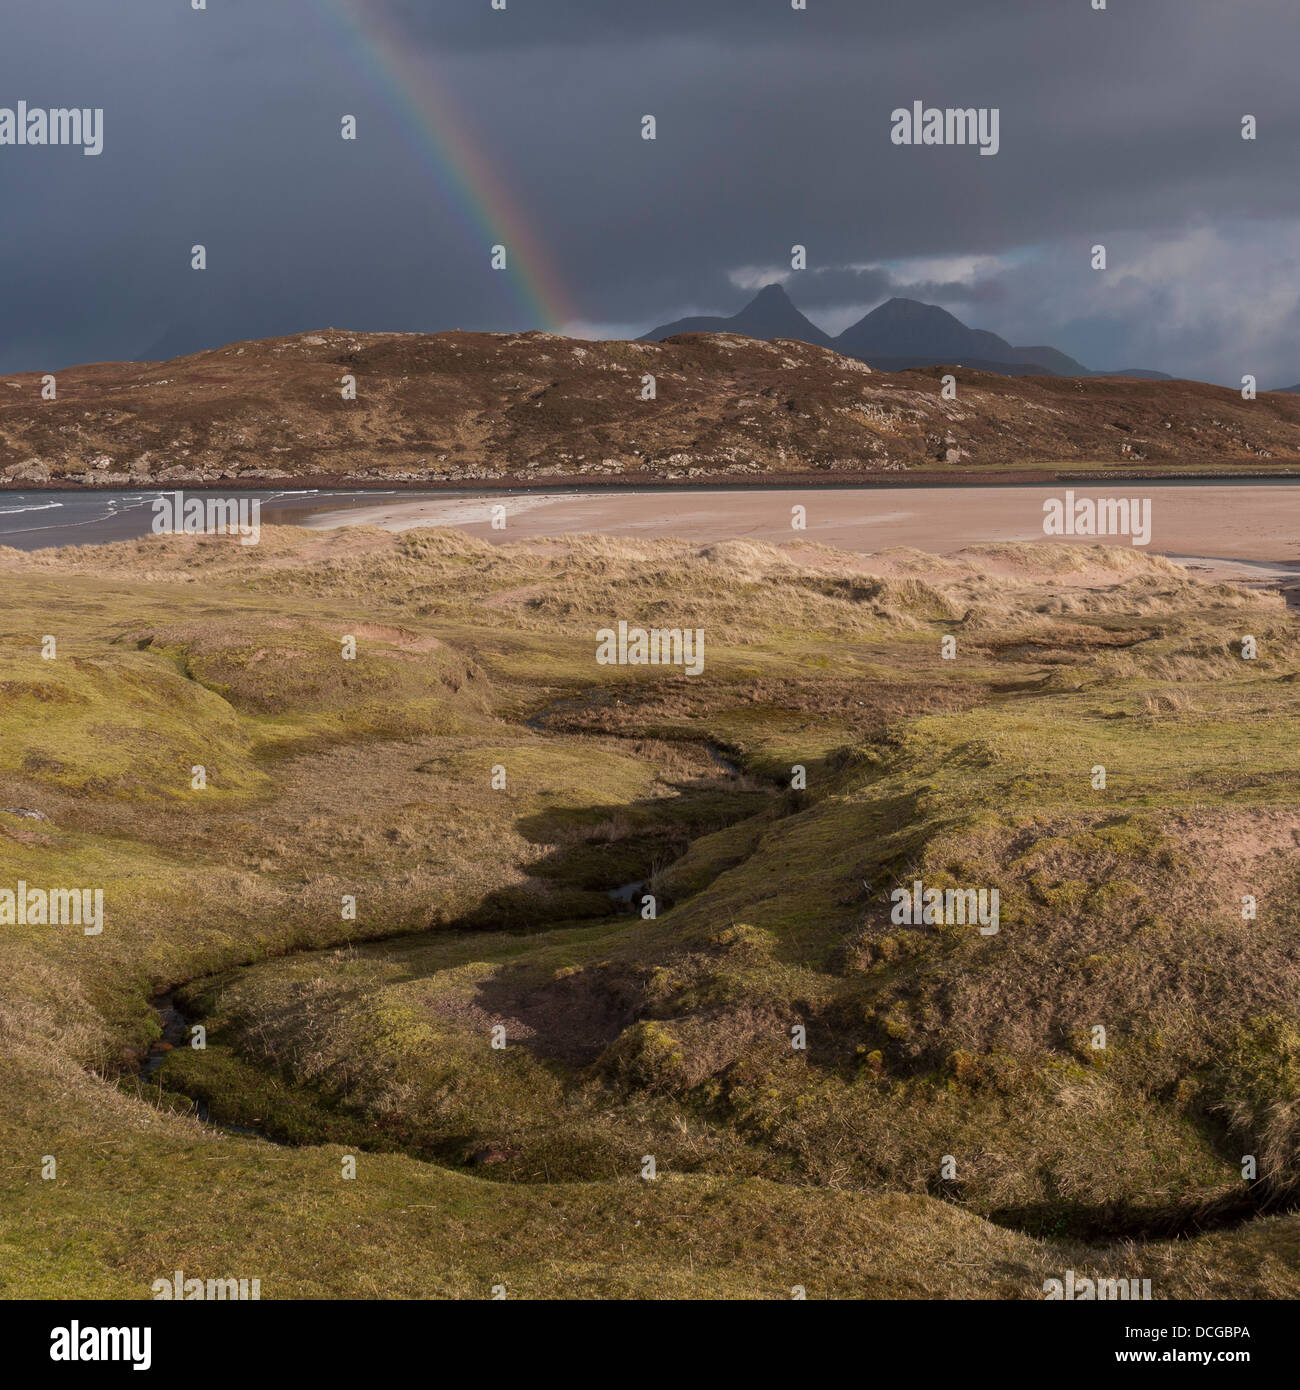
{"x": 948, "y": 1128}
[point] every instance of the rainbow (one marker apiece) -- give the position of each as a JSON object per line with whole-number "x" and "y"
{"x": 439, "y": 137}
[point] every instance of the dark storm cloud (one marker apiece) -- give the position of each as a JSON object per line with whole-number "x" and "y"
{"x": 740, "y": 23}
{"x": 843, "y": 285}
{"x": 872, "y": 284}
{"x": 221, "y": 127}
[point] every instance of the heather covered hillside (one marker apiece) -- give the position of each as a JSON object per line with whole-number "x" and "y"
{"x": 533, "y": 407}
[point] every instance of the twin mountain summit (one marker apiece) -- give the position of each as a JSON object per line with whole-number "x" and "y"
{"x": 901, "y": 333}
{"x": 895, "y": 336}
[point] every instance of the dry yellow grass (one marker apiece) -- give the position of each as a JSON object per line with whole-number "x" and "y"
{"x": 484, "y": 905}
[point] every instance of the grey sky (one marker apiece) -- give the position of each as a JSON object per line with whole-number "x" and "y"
{"x": 222, "y": 128}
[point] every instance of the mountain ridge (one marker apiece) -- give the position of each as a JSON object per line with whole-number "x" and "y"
{"x": 769, "y": 315}
{"x": 894, "y": 336}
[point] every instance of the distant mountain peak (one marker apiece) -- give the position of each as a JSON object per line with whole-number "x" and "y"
{"x": 895, "y": 335}
{"x": 770, "y": 314}
{"x": 901, "y": 304}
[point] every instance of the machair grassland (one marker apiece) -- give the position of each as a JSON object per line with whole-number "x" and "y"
{"x": 477, "y": 907}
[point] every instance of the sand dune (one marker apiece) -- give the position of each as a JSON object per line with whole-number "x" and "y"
{"x": 1248, "y": 531}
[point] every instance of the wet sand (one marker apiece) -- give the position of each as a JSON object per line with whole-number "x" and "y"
{"x": 1242, "y": 530}
{"x": 39, "y": 518}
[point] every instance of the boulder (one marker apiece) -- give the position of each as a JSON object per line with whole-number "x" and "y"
{"x": 29, "y": 471}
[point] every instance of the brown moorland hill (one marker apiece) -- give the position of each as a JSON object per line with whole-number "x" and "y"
{"x": 513, "y": 408}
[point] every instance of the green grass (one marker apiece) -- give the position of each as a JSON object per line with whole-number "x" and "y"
{"x": 479, "y": 906}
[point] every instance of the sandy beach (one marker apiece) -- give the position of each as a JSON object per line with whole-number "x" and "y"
{"x": 1238, "y": 530}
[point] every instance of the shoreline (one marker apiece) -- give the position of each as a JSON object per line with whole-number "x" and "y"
{"x": 1243, "y": 531}
{"x": 1030, "y": 475}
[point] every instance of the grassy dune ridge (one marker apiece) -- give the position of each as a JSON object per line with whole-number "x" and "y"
{"x": 480, "y": 907}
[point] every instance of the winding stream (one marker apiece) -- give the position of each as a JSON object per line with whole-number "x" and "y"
{"x": 175, "y": 1027}
{"x": 1100, "y": 1226}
